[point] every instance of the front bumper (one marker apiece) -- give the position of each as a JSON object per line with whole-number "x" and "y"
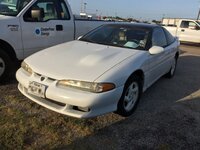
{"x": 68, "y": 101}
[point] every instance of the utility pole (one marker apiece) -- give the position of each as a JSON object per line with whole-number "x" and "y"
{"x": 81, "y": 6}
{"x": 85, "y": 7}
{"x": 198, "y": 17}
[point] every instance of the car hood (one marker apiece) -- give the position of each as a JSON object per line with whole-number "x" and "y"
{"x": 77, "y": 60}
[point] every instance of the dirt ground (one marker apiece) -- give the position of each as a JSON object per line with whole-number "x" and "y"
{"x": 167, "y": 117}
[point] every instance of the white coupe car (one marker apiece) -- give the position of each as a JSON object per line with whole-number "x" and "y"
{"x": 104, "y": 71}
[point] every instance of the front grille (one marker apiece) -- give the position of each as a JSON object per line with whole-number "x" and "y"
{"x": 39, "y": 76}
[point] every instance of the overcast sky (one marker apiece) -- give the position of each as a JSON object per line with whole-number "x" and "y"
{"x": 140, "y": 9}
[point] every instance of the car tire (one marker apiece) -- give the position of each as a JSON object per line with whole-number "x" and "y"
{"x": 5, "y": 66}
{"x": 130, "y": 97}
{"x": 172, "y": 70}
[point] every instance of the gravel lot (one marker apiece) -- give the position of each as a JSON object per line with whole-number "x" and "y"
{"x": 167, "y": 117}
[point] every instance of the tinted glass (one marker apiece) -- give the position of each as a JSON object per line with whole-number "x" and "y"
{"x": 170, "y": 38}
{"x": 12, "y": 7}
{"x": 64, "y": 11}
{"x": 184, "y": 24}
{"x": 158, "y": 38}
{"x": 119, "y": 36}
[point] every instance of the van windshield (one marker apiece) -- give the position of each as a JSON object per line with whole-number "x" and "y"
{"x": 12, "y": 7}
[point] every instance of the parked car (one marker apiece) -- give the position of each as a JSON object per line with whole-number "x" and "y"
{"x": 104, "y": 71}
{"x": 28, "y": 26}
{"x": 186, "y": 30}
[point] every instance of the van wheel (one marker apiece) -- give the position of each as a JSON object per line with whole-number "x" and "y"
{"x": 5, "y": 66}
{"x": 172, "y": 70}
{"x": 130, "y": 97}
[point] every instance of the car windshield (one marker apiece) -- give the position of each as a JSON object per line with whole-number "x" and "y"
{"x": 126, "y": 36}
{"x": 198, "y": 22}
{"x": 12, "y": 7}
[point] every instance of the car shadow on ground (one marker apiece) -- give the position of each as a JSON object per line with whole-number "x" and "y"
{"x": 11, "y": 79}
{"x": 167, "y": 116}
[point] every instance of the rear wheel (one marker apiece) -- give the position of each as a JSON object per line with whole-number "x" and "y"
{"x": 130, "y": 97}
{"x": 5, "y": 66}
{"x": 172, "y": 70}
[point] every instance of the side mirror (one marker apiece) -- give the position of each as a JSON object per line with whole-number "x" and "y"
{"x": 156, "y": 50}
{"x": 197, "y": 27}
{"x": 79, "y": 37}
{"x": 37, "y": 13}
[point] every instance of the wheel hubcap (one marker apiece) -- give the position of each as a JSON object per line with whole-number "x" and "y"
{"x": 173, "y": 67}
{"x": 131, "y": 96}
{"x": 2, "y": 66}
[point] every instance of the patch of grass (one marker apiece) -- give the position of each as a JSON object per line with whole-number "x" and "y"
{"x": 26, "y": 125}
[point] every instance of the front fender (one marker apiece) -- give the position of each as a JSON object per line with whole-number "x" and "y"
{"x": 122, "y": 71}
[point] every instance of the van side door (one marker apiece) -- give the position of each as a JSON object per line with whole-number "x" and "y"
{"x": 189, "y": 31}
{"x": 46, "y": 23}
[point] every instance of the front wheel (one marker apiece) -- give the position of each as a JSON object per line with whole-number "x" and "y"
{"x": 5, "y": 66}
{"x": 130, "y": 97}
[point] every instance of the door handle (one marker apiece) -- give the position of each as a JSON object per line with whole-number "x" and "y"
{"x": 59, "y": 28}
{"x": 183, "y": 30}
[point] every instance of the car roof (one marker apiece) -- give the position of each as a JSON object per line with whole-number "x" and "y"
{"x": 135, "y": 25}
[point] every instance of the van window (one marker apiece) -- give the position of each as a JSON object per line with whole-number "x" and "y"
{"x": 188, "y": 24}
{"x": 45, "y": 10}
{"x": 64, "y": 11}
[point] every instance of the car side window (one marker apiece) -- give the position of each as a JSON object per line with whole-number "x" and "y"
{"x": 158, "y": 38}
{"x": 169, "y": 37}
{"x": 45, "y": 10}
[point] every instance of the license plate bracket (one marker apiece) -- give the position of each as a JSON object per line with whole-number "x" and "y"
{"x": 37, "y": 89}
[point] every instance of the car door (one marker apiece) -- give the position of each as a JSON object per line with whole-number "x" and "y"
{"x": 189, "y": 31}
{"x": 44, "y": 24}
{"x": 157, "y": 63}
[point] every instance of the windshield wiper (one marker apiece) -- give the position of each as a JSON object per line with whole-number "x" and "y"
{"x": 87, "y": 40}
{"x": 7, "y": 14}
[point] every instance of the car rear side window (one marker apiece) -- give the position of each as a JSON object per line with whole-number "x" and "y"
{"x": 158, "y": 38}
{"x": 169, "y": 37}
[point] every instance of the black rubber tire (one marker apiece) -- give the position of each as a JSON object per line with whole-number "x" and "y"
{"x": 170, "y": 74}
{"x": 8, "y": 66}
{"x": 121, "y": 108}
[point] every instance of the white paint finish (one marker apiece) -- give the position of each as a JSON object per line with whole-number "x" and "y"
{"x": 94, "y": 63}
{"x": 90, "y": 60}
{"x": 189, "y": 35}
{"x": 156, "y": 50}
{"x": 11, "y": 37}
{"x": 98, "y": 103}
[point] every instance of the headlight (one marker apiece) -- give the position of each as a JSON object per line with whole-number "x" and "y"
{"x": 87, "y": 86}
{"x": 26, "y": 68}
